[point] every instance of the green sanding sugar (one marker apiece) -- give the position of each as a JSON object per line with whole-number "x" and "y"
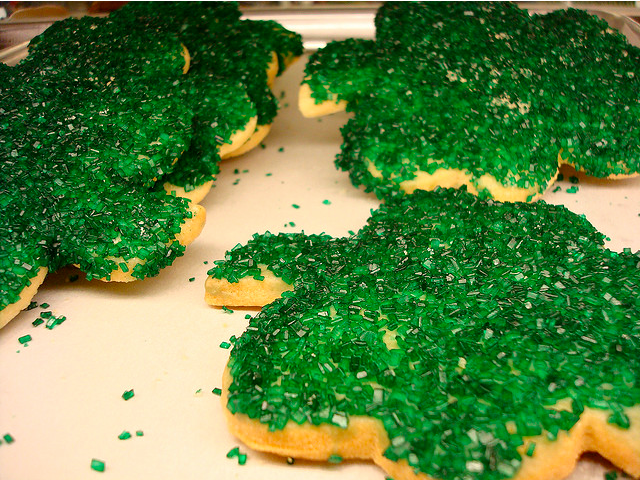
{"x": 128, "y": 394}
{"x": 335, "y": 459}
{"x": 447, "y": 319}
{"x": 235, "y": 452}
{"x": 504, "y": 99}
{"x": 52, "y": 320}
{"x": 8, "y": 438}
{"x": 124, "y": 435}
{"x": 225, "y": 345}
{"x": 192, "y": 279}
{"x": 573, "y": 189}
{"x": 281, "y": 149}
{"x": 531, "y": 449}
{"x": 226, "y": 309}
{"x": 139, "y": 433}
{"x": 25, "y": 339}
{"x": 217, "y": 391}
{"x": 326, "y": 202}
{"x": 97, "y": 465}
{"x": 294, "y": 205}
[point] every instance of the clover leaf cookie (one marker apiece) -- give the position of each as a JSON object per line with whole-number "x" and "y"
{"x": 480, "y": 94}
{"x": 83, "y": 140}
{"x": 450, "y": 338}
{"x": 98, "y": 129}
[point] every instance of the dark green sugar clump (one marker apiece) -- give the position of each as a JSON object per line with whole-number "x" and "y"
{"x": 485, "y": 88}
{"x": 457, "y": 323}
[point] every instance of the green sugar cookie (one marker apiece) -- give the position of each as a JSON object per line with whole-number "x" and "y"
{"x": 113, "y": 129}
{"x": 450, "y": 338}
{"x": 86, "y": 133}
{"x": 480, "y": 94}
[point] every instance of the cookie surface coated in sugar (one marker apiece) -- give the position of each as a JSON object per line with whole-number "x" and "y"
{"x": 449, "y": 338}
{"x": 82, "y": 146}
{"x": 480, "y": 94}
{"x": 122, "y": 92}
{"x": 244, "y": 54}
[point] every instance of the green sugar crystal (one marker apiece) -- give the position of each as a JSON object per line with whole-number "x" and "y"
{"x": 97, "y": 465}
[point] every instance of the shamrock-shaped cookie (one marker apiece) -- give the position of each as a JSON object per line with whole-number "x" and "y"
{"x": 480, "y": 94}
{"x": 108, "y": 115}
{"x": 450, "y": 338}
{"x": 83, "y": 140}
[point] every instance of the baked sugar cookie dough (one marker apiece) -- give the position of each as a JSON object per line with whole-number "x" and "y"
{"x": 449, "y": 338}
{"x": 480, "y": 94}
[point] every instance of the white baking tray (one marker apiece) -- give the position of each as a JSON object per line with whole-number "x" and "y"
{"x": 60, "y": 396}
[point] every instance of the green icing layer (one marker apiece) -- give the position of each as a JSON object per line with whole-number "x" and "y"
{"x": 455, "y": 322}
{"x": 486, "y": 88}
{"x": 114, "y": 108}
